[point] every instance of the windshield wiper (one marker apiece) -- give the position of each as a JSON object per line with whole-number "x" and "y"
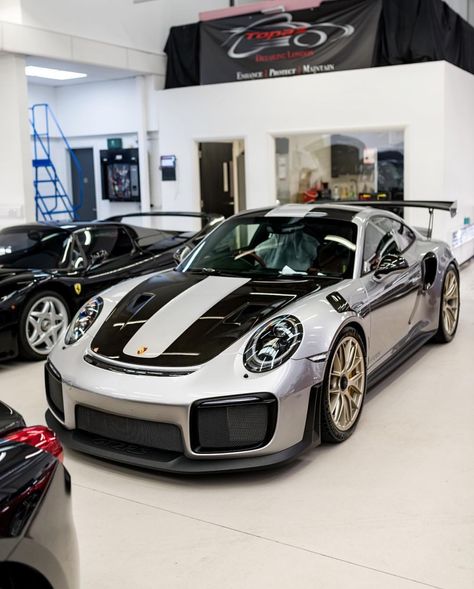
{"x": 208, "y": 271}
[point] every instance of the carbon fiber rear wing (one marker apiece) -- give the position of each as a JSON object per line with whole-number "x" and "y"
{"x": 432, "y": 205}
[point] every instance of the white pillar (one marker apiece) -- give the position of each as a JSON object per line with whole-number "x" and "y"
{"x": 143, "y": 143}
{"x": 16, "y": 175}
{"x": 10, "y": 11}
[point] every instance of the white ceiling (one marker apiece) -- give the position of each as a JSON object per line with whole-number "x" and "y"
{"x": 94, "y": 73}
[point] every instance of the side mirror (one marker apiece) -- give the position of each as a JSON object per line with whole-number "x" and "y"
{"x": 389, "y": 264}
{"x": 181, "y": 253}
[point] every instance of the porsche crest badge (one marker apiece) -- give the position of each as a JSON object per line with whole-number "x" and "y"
{"x": 78, "y": 288}
{"x": 141, "y": 350}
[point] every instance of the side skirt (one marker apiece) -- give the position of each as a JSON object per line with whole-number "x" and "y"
{"x": 390, "y": 365}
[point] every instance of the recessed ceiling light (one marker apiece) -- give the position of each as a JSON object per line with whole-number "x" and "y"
{"x": 52, "y": 74}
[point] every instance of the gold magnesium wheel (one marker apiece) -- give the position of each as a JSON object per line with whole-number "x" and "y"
{"x": 450, "y": 303}
{"x": 343, "y": 390}
{"x": 346, "y": 383}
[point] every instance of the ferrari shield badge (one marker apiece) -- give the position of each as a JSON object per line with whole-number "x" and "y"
{"x": 141, "y": 350}
{"x": 77, "y": 288}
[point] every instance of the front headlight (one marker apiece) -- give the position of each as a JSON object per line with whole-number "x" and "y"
{"x": 273, "y": 344}
{"x": 83, "y": 320}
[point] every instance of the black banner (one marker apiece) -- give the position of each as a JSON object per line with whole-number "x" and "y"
{"x": 182, "y": 49}
{"x": 338, "y": 35}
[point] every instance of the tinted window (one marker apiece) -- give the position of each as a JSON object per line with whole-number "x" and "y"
{"x": 381, "y": 238}
{"x": 278, "y": 246}
{"x": 104, "y": 243}
{"x": 33, "y": 248}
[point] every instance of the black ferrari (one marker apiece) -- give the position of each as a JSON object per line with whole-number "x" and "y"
{"x": 38, "y": 546}
{"x": 48, "y": 271}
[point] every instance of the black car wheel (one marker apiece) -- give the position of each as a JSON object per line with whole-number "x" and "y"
{"x": 43, "y": 321}
{"x": 345, "y": 384}
{"x": 449, "y": 306}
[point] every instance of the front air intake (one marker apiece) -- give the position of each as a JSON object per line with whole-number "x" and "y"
{"x": 230, "y": 424}
{"x": 120, "y": 428}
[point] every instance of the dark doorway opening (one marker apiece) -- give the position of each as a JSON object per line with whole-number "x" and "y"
{"x": 222, "y": 177}
{"x": 88, "y": 209}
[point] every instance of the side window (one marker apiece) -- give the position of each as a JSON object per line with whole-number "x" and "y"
{"x": 381, "y": 238}
{"x": 405, "y": 237}
{"x": 104, "y": 243}
{"x": 123, "y": 244}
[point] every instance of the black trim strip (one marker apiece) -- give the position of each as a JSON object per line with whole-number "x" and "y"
{"x": 138, "y": 371}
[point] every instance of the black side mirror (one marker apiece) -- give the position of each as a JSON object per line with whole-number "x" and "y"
{"x": 389, "y": 264}
{"x": 181, "y": 253}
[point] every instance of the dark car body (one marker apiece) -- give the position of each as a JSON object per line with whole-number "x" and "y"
{"x": 38, "y": 547}
{"x": 78, "y": 260}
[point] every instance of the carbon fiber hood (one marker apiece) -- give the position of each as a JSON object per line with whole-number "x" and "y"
{"x": 180, "y": 319}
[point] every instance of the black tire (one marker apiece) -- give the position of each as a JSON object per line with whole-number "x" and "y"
{"x": 445, "y": 335}
{"x": 331, "y": 432}
{"x": 27, "y": 351}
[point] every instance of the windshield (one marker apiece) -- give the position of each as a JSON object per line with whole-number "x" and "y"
{"x": 33, "y": 248}
{"x": 277, "y": 246}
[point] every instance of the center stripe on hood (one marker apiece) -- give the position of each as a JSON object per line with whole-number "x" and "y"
{"x": 161, "y": 330}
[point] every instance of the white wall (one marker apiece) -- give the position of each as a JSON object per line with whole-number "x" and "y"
{"x": 16, "y": 189}
{"x": 142, "y": 26}
{"x": 411, "y": 97}
{"x": 464, "y": 8}
{"x": 459, "y": 153}
{"x": 10, "y": 10}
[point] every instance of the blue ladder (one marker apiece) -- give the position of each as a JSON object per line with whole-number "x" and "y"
{"x": 51, "y": 199}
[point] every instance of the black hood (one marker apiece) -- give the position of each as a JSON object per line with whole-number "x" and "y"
{"x": 219, "y": 311}
{"x": 12, "y": 279}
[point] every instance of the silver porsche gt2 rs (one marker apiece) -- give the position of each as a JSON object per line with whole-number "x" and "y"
{"x": 260, "y": 344}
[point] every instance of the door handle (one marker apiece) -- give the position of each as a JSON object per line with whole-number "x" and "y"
{"x": 225, "y": 173}
{"x": 231, "y": 173}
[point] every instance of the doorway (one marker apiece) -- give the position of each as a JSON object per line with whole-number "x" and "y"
{"x": 88, "y": 209}
{"x": 222, "y": 177}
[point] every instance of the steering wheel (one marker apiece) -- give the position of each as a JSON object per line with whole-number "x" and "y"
{"x": 253, "y": 254}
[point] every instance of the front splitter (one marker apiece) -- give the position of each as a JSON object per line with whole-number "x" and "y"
{"x": 172, "y": 462}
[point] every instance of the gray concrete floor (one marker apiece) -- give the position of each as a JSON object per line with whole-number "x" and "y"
{"x": 391, "y": 508}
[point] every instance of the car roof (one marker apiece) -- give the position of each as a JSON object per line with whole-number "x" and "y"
{"x": 334, "y": 210}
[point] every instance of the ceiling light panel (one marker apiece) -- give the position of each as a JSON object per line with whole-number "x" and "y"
{"x": 52, "y": 74}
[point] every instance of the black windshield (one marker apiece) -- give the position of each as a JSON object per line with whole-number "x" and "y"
{"x": 33, "y": 248}
{"x": 277, "y": 246}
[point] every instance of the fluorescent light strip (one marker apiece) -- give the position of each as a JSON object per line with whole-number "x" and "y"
{"x": 52, "y": 74}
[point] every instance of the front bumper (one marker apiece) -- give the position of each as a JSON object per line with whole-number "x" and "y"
{"x": 149, "y": 408}
{"x": 149, "y": 458}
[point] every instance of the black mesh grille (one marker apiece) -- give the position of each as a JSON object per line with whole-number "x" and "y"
{"x": 54, "y": 391}
{"x": 162, "y": 436}
{"x": 235, "y": 426}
